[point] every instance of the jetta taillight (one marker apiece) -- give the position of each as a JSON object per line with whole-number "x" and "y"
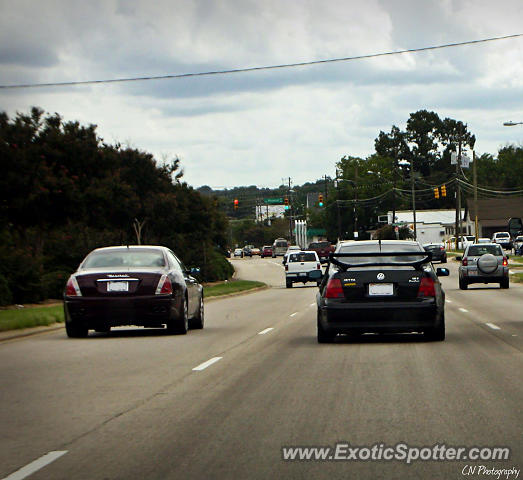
{"x": 505, "y": 262}
{"x": 72, "y": 289}
{"x": 426, "y": 288}
{"x": 334, "y": 289}
{"x": 464, "y": 262}
{"x": 164, "y": 286}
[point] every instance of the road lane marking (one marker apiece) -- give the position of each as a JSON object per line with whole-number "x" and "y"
{"x": 448, "y": 301}
{"x": 267, "y": 330}
{"x": 493, "y": 326}
{"x": 32, "y": 467}
{"x": 293, "y": 314}
{"x": 312, "y": 305}
{"x": 208, "y": 363}
{"x": 463, "y": 310}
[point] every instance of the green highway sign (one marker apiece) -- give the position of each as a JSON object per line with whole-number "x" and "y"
{"x": 273, "y": 201}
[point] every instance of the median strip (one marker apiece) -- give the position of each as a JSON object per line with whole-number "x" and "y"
{"x": 206, "y": 364}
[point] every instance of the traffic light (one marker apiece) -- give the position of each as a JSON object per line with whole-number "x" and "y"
{"x": 320, "y": 200}
{"x": 443, "y": 190}
{"x": 236, "y": 204}
{"x": 286, "y": 202}
{"x": 436, "y": 192}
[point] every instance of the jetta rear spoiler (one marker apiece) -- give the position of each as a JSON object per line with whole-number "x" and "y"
{"x": 425, "y": 257}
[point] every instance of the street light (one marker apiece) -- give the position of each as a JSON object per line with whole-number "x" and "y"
{"x": 512, "y": 124}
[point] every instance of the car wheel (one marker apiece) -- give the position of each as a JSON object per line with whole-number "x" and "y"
{"x": 323, "y": 335}
{"x": 198, "y": 320}
{"x": 288, "y": 284}
{"x": 504, "y": 283}
{"x": 318, "y": 283}
{"x": 436, "y": 334}
{"x": 463, "y": 285}
{"x": 74, "y": 330}
{"x": 444, "y": 260}
{"x": 180, "y": 323}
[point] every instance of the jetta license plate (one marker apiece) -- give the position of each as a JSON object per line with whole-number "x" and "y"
{"x": 381, "y": 289}
{"x": 117, "y": 286}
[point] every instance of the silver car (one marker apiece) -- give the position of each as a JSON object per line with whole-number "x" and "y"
{"x": 483, "y": 263}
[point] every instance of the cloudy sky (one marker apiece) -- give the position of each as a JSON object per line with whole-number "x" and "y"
{"x": 260, "y": 127}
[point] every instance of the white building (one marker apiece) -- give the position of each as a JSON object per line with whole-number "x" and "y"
{"x": 432, "y": 226}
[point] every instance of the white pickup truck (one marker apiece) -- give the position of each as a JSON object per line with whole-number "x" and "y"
{"x": 302, "y": 266}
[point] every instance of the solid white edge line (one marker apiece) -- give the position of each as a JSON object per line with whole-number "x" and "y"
{"x": 32, "y": 467}
{"x": 267, "y": 330}
{"x": 208, "y": 363}
{"x": 464, "y": 310}
{"x": 493, "y": 326}
{"x": 293, "y": 314}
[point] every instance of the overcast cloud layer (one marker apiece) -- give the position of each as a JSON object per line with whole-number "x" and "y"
{"x": 259, "y": 127}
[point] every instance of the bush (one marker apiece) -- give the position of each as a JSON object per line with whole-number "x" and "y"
{"x": 6, "y": 297}
{"x": 53, "y": 283}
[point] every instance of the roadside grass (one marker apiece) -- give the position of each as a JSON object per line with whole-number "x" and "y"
{"x": 231, "y": 286}
{"x": 516, "y": 277}
{"x": 14, "y": 319}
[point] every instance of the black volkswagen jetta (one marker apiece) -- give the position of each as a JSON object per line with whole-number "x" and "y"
{"x": 381, "y": 286}
{"x": 135, "y": 285}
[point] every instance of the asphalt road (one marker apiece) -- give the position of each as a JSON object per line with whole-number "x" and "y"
{"x": 128, "y": 405}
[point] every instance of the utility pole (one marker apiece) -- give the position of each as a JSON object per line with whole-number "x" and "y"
{"x": 413, "y": 197}
{"x": 457, "y": 226}
{"x": 290, "y": 211}
{"x": 355, "y": 211}
{"x": 475, "y": 174}
{"x": 394, "y": 188}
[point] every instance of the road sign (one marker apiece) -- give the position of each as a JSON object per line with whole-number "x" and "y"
{"x": 273, "y": 201}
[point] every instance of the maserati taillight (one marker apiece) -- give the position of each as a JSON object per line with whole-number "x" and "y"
{"x": 164, "y": 286}
{"x": 72, "y": 289}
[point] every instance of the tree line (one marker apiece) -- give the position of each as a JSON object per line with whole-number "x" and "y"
{"x": 64, "y": 191}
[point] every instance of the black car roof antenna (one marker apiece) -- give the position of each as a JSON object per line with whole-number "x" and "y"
{"x": 379, "y": 242}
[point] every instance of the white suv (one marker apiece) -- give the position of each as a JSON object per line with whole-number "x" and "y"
{"x": 503, "y": 239}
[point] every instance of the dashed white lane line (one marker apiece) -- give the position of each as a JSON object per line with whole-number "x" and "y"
{"x": 448, "y": 301}
{"x": 312, "y": 305}
{"x": 493, "y": 326}
{"x": 463, "y": 310}
{"x": 267, "y": 330}
{"x": 208, "y": 363}
{"x": 32, "y": 467}
{"x": 293, "y": 314}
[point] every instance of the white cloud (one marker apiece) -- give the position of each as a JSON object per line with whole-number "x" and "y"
{"x": 259, "y": 127}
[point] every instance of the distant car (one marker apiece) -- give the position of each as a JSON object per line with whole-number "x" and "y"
{"x": 503, "y": 239}
{"x": 323, "y": 249}
{"x": 464, "y": 241}
{"x": 292, "y": 248}
{"x": 381, "y": 286}
{"x": 483, "y": 240}
{"x": 247, "y": 250}
{"x": 439, "y": 254}
{"x": 483, "y": 263}
{"x": 518, "y": 245}
{"x": 238, "y": 252}
{"x": 302, "y": 266}
{"x": 279, "y": 247}
{"x": 255, "y": 251}
{"x": 135, "y": 285}
{"x": 266, "y": 251}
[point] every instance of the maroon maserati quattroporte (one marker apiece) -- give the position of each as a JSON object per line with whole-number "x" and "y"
{"x": 132, "y": 285}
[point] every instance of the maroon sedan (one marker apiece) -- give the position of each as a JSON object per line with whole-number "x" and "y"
{"x": 136, "y": 285}
{"x": 266, "y": 251}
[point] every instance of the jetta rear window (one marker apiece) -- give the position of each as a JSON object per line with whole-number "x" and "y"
{"x": 124, "y": 258}
{"x": 375, "y": 248}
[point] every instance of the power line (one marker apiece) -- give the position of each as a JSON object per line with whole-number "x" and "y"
{"x": 253, "y": 69}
